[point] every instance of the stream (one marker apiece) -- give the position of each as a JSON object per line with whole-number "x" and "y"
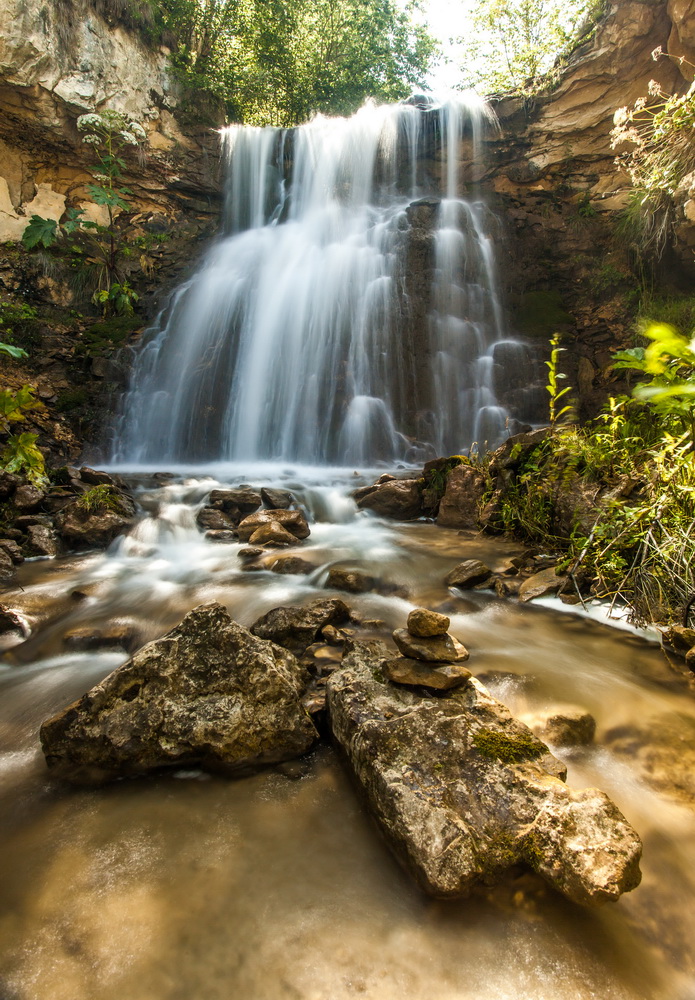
{"x": 189, "y": 886}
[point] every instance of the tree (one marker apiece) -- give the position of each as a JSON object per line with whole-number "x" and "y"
{"x": 518, "y": 41}
{"x": 277, "y": 62}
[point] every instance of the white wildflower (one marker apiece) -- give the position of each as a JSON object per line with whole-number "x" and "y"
{"x": 85, "y": 122}
{"x": 657, "y": 53}
{"x": 640, "y": 103}
{"x": 138, "y": 131}
{"x": 621, "y": 116}
{"x": 128, "y": 138}
{"x": 92, "y": 140}
{"x": 654, "y": 88}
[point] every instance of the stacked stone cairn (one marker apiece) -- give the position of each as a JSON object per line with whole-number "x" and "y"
{"x": 430, "y": 657}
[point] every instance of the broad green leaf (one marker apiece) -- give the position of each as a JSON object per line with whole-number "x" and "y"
{"x": 40, "y": 231}
{"x": 14, "y": 352}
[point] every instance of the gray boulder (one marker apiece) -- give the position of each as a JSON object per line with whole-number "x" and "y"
{"x": 208, "y": 693}
{"x": 463, "y": 791}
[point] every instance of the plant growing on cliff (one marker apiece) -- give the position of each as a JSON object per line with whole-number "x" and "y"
{"x": 556, "y": 412}
{"x": 98, "y": 247}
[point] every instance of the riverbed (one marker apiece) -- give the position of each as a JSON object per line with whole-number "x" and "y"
{"x": 193, "y": 887}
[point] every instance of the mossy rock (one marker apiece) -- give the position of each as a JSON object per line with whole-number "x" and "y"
{"x": 509, "y": 748}
{"x": 542, "y": 313}
{"x": 107, "y": 335}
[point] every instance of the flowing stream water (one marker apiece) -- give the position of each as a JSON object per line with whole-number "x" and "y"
{"x": 298, "y": 342}
{"x": 278, "y": 885}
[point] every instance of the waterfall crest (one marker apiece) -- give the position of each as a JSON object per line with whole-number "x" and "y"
{"x": 349, "y": 312}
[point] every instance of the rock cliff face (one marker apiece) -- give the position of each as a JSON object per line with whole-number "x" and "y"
{"x": 60, "y": 59}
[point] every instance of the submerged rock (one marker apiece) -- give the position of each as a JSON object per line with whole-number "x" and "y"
{"x": 291, "y": 566}
{"x": 276, "y": 499}
{"x": 350, "y": 580}
{"x": 563, "y": 725}
{"x": 463, "y": 791}
{"x": 297, "y": 628}
{"x": 207, "y": 693}
{"x": 272, "y": 533}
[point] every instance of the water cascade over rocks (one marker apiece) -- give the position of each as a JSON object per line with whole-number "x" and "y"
{"x": 304, "y": 335}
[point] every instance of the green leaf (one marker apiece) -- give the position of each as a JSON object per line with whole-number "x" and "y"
{"x": 40, "y": 231}
{"x": 106, "y": 196}
{"x": 14, "y": 352}
{"x": 22, "y": 455}
{"x": 633, "y": 358}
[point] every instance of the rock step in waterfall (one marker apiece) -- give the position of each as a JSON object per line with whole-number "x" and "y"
{"x": 350, "y": 312}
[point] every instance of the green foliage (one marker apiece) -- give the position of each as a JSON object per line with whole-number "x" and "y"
{"x": 555, "y": 393}
{"x": 71, "y": 399}
{"x": 107, "y": 335}
{"x": 509, "y": 748}
{"x": 99, "y": 498}
{"x": 516, "y": 42}
{"x": 20, "y": 453}
{"x": 277, "y": 62}
{"x": 92, "y": 248}
{"x": 40, "y": 232}
{"x": 19, "y": 325}
{"x": 14, "y": 352}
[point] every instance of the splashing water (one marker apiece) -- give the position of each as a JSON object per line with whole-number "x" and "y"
{"x": 345, "y": 314}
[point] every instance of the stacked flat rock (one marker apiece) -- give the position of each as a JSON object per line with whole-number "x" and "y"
{"x": 431, "y": 657}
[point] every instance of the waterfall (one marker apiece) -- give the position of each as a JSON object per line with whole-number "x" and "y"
{"x": 349, "y": 312}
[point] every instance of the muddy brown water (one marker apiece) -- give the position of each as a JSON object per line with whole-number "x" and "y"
{"x": 192, "y": 887}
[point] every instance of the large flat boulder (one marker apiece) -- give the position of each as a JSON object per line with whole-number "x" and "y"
{"x": 463, "y": 791}
{"x": 460, "y": 505}
{"x": 208, "y": 693}
{"x": 400, "y": 499}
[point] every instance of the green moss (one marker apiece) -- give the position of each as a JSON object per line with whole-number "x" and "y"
{"x": 541, "y": 314}
{"x": 107, "y": 335}
{"x": 71, "y": 399}
{"x": 100, "y": 498}
{"x": 508, "y": 748}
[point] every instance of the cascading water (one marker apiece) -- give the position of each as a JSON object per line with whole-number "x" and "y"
{"x": 302, "y": 336}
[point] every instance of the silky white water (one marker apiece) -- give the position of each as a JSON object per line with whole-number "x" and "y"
{"x": 350, "y": 312}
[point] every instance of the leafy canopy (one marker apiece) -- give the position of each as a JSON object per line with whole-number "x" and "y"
{"x": 517, "y": 41}
{"x": 276, "y": 62}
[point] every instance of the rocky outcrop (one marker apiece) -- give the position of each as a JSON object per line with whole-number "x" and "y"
{"x": 460, "y": 505}
{"x": 208, "y": 693}
{"x": 60, "y": 60}
{"x": 462, "y": 791}
{"x": 84, "y": 527}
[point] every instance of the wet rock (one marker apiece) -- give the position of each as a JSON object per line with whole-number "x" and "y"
{"x": 272, "y": 533}
{"x": 662, "y": 750}
{"x": 8, "y": 484}
{"x": 516, "y": 450}
{"x": 221, "y": 536}
{"x": 468, "y": 573}
{"x": 460, "y": 505}
{"x": 350, "y": 580}
{"x": 42, "y": 541}
{"x": 247, "y": 555}
{"x": 212, "y": 519}
{"x": 28, "y": 498}
{"x": 240, "y": 501}
{"x": 6, "y": 565}
{"x": 96, "y": 477}
{"x": 463, "y": 791}
{"x": 563, "y": 726}
{"x": 435, "y": 649}
{"x": 505, "y": 587}
{"x": 415, "y": 673}
{"x": 297, "y": 628}
{"x": 116, "y": 635}
{"x": 208, "y": 693}
{"x": 334, "y": 636}
{"x": 12, "y": 549}
{"x": 541, "y": 584}
{"x": 679, "y": 638}
{"x": 84, "y": 528}
{"x": 276, "y": 499}
{"x": 11, "y": 622}
{"x": 424, "y": 623}
{"x": 293, "y": 521}
{"x": 291, "y": 566}
{"x": 400, "y": 499}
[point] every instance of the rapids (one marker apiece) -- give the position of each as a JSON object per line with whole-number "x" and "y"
{"x": 192, "y": 886}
